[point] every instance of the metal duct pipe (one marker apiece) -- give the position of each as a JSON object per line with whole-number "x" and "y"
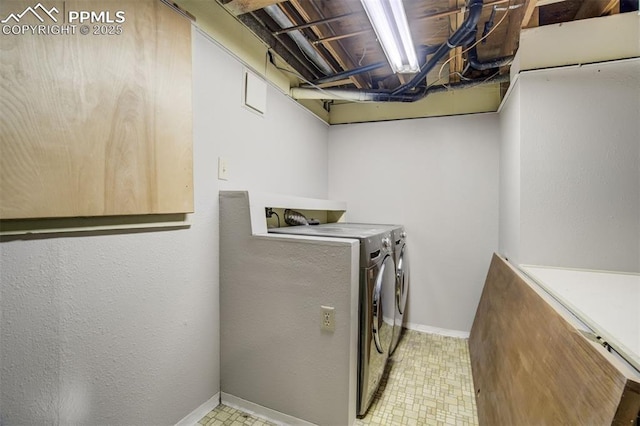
{"x": 312, "y": 54}
{"x": 335, "y": 94}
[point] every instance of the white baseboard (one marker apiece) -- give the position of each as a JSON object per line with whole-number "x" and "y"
{"x": 262, "y": 412}
{"x": 436, "y": 330}
{"x": 194, "y": 417}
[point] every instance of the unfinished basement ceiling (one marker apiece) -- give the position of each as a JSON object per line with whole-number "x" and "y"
{"x": 330, "y": 44}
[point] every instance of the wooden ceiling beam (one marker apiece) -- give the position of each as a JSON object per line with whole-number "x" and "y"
{"x": 240, "y": 7}
{"x": 307, "y": 10}
{"x": 515, "y": 23}
{"x": 283, "y": 46}
{"x": 457, "y": 10}
{"x": 548, "y": 2}
{"x": 315, "y": 23}
{"x": 456, "y": 64}
{"x": 595, "y": 8}
{"x": 529, "y": 12}
{"x": 341, "y": 36}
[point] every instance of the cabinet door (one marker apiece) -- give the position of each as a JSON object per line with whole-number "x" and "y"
{"x": 95, "y": 109}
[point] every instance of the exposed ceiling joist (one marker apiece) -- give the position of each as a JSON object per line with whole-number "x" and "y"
{"x": 238, "y": 7}
{"x": 548, "y": 2}
{"x": 515, "y": 20}
{"x": 341, "y": 36}
{"x": 310, "y": 13}
{"x": 459, "y": 9}
{"x": 456, "y": 64}
{"x": 284, "y": 47}
{"x": 529, "y": 10}
{"x": 315, "y": 23}
{"x": 339, "y": 33}
{"x": 594, "y": 8}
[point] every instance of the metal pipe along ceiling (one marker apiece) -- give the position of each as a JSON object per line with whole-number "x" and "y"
{"x": 312, "y": 54}
{"x": 366, "y": 96}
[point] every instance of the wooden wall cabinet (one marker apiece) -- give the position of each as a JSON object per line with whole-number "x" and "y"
{"x": 95, "y": 124}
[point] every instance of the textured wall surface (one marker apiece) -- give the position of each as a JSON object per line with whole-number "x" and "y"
{"x": 579, "y": 167}
{"x": 509, "y": 232}
{"x": 439, "y": 178}
{"x": 273, "y": 351}
{"x": 123, "y": 328}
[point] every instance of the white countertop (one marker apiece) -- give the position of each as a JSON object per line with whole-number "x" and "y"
{"x": 608, "y": 302}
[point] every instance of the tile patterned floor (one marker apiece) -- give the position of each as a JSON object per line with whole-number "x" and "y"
{"x": 227, "y": 416}
{"x": 429, "y": 382}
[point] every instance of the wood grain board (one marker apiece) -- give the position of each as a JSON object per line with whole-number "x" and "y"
{"x": 96, "y": 124}
{"x": 532, "y": 367}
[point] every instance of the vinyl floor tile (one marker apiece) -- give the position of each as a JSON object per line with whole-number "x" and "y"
{"x": 427, "y": 382}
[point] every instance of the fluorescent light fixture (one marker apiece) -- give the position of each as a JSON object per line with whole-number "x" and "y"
{"x": 389, "y": 21}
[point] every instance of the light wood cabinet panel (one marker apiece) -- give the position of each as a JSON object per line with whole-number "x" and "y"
{"x": 95, "y": 124}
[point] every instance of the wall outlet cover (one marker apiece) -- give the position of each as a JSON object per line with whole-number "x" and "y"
{"x": 328, "y": 318}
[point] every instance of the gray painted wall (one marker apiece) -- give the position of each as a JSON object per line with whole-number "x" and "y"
{"x": 509, "y": 230}
{"x": 438, "y": 177}
{"x": 578, "y": 134}
{"x": 124, "y": 328}
{"x": 273, "y": 351}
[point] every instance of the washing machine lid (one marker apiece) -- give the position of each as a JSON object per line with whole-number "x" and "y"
{"x": 375, "y": 241}
{"x": 341, "y": 230}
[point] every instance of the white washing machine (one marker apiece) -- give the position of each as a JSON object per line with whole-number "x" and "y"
{"x": 376, "y": 299}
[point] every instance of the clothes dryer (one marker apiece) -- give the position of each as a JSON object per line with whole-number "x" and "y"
{"x": 376, "y": 299}
{"x": 401, "y": 288}
{"x": 401, "y": 254}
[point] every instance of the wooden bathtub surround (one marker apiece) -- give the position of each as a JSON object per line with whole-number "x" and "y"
{"x": 532, "y": 366}
{"x": 96, "y": 124}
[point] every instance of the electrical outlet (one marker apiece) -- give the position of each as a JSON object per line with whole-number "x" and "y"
{"x": 328, "y": 318}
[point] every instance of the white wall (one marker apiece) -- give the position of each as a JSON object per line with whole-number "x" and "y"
{"x": 284, "y": 151}
{"x": 509, "y": 232}
{"x": 579, "y": 163}
{"x": 438, "y": 177}
{"x": 123, "y": 328}
{"x": 273, "y": 352}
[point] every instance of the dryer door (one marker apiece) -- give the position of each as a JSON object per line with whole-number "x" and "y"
{"x": 382, "y": 315}
{"x": 403, "y": 280}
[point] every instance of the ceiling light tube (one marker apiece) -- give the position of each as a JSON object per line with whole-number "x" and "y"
{"x": 389, "y": 21}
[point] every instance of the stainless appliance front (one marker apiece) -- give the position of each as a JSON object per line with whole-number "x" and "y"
{"x": 398, "y": 302}
{"x": 376, "y": 299}
{"x": 402, "y": 282}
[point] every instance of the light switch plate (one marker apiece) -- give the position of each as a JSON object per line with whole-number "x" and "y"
{"x": 223, "y": 169}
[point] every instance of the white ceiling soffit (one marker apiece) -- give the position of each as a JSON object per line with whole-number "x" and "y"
{"x": 579, "y": 42}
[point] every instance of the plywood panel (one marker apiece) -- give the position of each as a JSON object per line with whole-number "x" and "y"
{"x": 96, "y": 124}
{"x": 531, "y": 366}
